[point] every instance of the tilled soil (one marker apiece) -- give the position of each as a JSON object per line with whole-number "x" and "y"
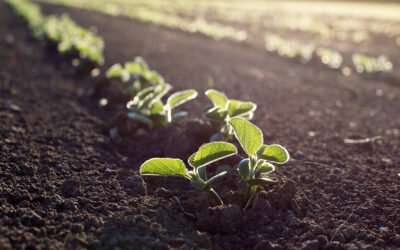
{"x": 66, "y": 184}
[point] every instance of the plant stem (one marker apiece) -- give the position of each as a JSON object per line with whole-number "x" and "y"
{"x": 216, "y": 197}
{"x": 250, "y": 200}
{"x": 169, "y": 115}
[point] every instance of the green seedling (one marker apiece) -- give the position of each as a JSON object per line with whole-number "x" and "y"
{"x": 31, "y": 13}
{"x": 207, "y": 154}
{"x": 329, "y": 57}
{"x": 370, "y": 65}
{"x": 148, "y": 109}
{"x": 224, "y": 109}
{"x": 135, "y": 75}
{"x": 258, "y": 165}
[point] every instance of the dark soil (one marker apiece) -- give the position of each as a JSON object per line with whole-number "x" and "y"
{"x": 66, "y": 184}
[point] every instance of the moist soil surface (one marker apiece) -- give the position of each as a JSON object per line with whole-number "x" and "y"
{"x": 65, "y": 183}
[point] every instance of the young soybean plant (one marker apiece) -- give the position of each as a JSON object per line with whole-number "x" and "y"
{"x": 258, "y": 164}
{"x": 224, "y": 109}
{"x": 147, "y": 108}
{"x": 135, "y": 75}
{"x": 207, "y": 154}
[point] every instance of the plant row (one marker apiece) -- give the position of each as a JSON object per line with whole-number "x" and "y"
{"x": 329, "y": 57}
{"x": 144, "y": 14}
{"x": 229, "y": 117}
{"x": 82, "y": 47}
{"x": 148, "y": 89}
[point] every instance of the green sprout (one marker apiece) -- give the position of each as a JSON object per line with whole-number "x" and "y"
{"x": 258, "y": 164}
{"x": 224, "y": 109}
{"x": 207, "y": 154}
{"x": 135, "y": 75}
{"x": 73, "y": 41}
{"x": 370, "y": 65}
{"x": 148, "y": 109}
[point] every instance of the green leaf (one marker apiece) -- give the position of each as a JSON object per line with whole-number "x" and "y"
{"x": 239, "y": 108}
{"x": 115, "y": 71}
{"x": 244, "y": 168}
{"x": 216, "y": 114}
{"x": 164, "y": 166}
{"x": 133, "y": 68}
{"x": 264, "y": 168}
{"x": 211, "y": 152}
{"x": 213, "y": 179}
{"x": 275, "y": 153}
{"x": 140, "y": 97}
{"x": 260, "y": 181}
{"x": 158, "y": 92}
{"x": 139, "y": 118}
{"x": 249, "y": 136}
{"x": 154, "y": 77}
{"x": 217, "y": 98}
{"x": 157, "y": 108}
{"x": 181, "y": 97}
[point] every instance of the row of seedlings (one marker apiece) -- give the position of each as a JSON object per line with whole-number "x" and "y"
{"x": 333, "y": 59}
{"x": 229, "y": 117}
{"x": 74, "y": 43}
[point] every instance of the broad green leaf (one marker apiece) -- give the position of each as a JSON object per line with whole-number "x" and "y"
{"x": 275, "y": 153}
{"x": 157, "y": 108}
{"x": 141, "y": 95}
{"x": 217, "y": 98}
{"x": 181, "y": 97}
{"x": 211, "y": 152}
{"x": 140, "y": 61}
{"x": 163, "y": 166}
{"x": 158, "y": 92}
{"x": 213, "y": 179}
{"x": 216, "y": 114}
{"x": 264, "y": 168}
{"x": 249, "y": 136}
{"x": 133, "y": 68}
{"x": 115, "y": 71}
{"x": 139, "y": 118}
{"x": 239, "y": 108}
{"x": 154, "y": 77}
{"x": 244, "y": 168}
{"x": 178, "y": 116}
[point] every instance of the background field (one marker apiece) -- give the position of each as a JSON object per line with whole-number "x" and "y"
{"x": 295, "y": 59}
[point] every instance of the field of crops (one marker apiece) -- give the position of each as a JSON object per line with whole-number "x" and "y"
{"x": 182, "y": 124}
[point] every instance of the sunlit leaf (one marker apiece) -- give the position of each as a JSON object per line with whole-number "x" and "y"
{"x": 216, "y": 97}
{"x": 115, "y": 71}
{"x": 163, "y": 166}
{"x": 216, "y": 114}
{"x": 181, "y": 97}
{"x": 211, "y": 152}
{"x": 249, "y": 136}
{"x": 239, "y": 108}
{"x": 275, "y": 153}
{"x": 157, "y": 108}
